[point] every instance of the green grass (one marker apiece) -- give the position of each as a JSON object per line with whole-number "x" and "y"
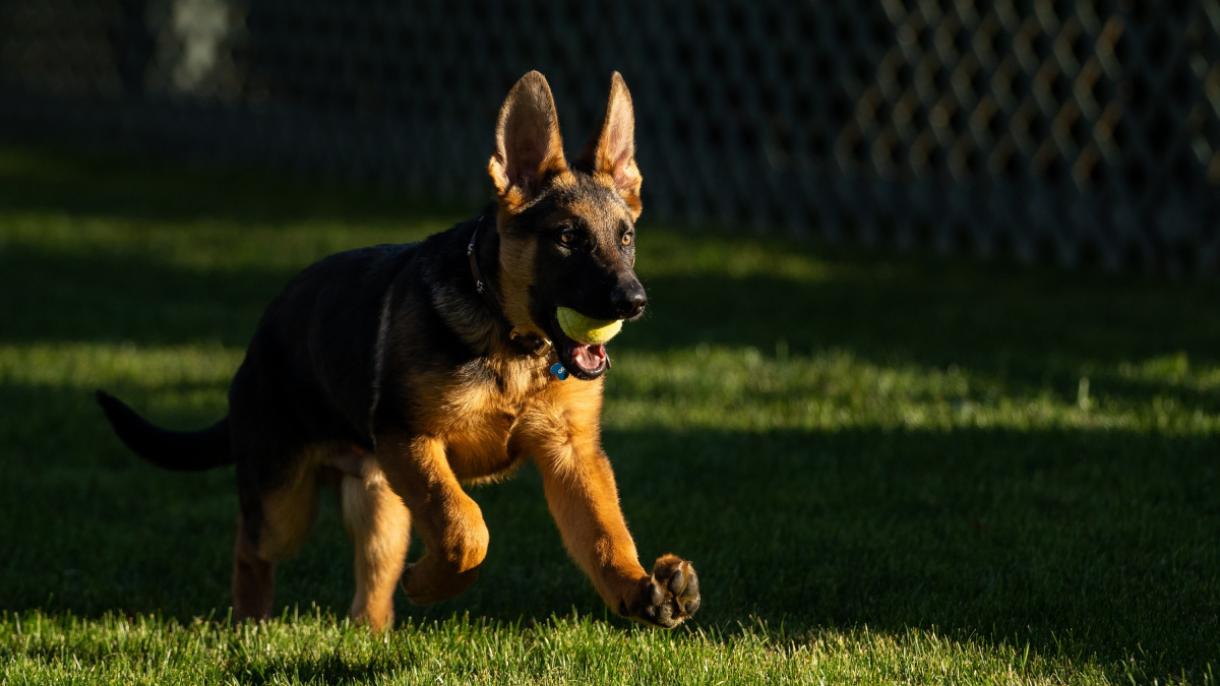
{"x": 888, "y": 470}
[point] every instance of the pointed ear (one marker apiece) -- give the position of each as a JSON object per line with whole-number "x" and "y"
{"x": 528, "y": 145}
{"x": 612, "y": 154}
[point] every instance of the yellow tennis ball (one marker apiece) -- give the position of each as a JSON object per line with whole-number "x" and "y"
{"x": 586, "y": 329}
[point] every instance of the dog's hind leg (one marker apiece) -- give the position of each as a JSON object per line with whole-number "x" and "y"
{"x": 253, "y": 577}
{"x": 272, "y": 526}
{"x": 379, "y": 525}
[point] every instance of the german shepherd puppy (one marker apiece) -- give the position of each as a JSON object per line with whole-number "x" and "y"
{"x": 401, "y": 372}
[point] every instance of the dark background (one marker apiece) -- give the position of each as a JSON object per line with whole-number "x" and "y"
{"x": 1070, "y": 133}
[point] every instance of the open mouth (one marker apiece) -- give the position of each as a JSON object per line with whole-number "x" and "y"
{"x": 585, "y": 361}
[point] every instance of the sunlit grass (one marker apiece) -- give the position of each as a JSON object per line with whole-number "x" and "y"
{"x": 888, "y": 470}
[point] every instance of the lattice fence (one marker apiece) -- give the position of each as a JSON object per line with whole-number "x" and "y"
{"x": 1074, "y": 133}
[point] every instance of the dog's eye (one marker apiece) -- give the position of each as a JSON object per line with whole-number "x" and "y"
{"x": 568, "y": 237}
{"x": 627, "y": 239}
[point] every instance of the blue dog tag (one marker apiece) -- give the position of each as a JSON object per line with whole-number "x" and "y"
{"x": 559, "y": 371}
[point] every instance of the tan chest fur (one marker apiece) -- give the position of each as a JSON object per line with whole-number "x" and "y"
{"x": 493, "y": 409}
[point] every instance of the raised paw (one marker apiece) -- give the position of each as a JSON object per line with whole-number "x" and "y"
{"x": 430, "y": 581}
{"x": 669, "y": 596}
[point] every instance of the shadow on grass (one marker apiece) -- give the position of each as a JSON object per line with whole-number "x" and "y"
{"x": 112, "y": 297}
{"x": 134, "y": 188}
{"x": 1084, "y": 543}
{"x": 328, "y": 667}
{"x": 1031, "y": 334}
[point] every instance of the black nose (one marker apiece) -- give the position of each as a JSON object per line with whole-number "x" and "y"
{"x": 628, "y": 298}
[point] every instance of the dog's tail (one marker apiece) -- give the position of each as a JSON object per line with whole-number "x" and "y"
{"x": 181, "y": 451}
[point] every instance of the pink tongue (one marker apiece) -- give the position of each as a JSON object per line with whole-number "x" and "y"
{"x": 589, "y": 357}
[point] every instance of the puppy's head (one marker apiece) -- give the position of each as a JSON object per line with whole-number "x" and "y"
{"x": 567, "y": 231}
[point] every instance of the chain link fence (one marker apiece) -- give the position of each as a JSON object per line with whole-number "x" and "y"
{"x": 1075, "y": 133}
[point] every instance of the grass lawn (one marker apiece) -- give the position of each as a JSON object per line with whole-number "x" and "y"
{"x": 886, "y": 469}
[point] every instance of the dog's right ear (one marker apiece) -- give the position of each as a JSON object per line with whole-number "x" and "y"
{"x": 611, "y": 155}
{"x": 529, "y": 148}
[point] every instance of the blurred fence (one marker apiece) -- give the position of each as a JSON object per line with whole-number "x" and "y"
{"x": 1064, "y": 132}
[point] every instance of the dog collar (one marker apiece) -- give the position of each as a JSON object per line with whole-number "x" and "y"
{"x": 479, "y": 284}
{"x": 528, "y": 343}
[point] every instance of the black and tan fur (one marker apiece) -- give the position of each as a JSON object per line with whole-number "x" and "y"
{"x": 385, "y": 371}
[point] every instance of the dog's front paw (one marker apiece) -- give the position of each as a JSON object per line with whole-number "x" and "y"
{"x": 669, "y": 596}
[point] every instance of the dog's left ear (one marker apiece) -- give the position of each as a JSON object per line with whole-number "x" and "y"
{"x": 529, "y": 148}
{"x": 611, "y": 155}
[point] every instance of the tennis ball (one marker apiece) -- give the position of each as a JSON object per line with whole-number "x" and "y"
{"x": 585, "y": 329}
